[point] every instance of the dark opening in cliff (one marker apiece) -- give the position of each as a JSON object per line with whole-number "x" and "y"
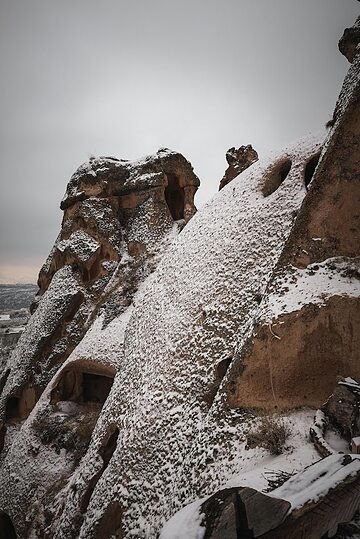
{"x": 110, "y": 522}
{"x": 310, "y": 169}
{"x": 106, "y": 451}
{"x": 12, "y": 408}
{"x": 3, "y": 379}
{"x": 220, "y": 371}
{"x": 276, "y": 177}
{"x": 222, "y": 367}
{"x": 2, "y": 436}
{"x": 7, "y": 530}
{"x": 82, "y": 387}
{"x": 18, "y": 407}
{"x": 174, "y": 196}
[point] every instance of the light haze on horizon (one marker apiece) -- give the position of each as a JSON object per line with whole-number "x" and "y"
{"x": 125, "y": 78}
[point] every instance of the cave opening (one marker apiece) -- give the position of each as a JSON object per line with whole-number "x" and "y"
{"x": 175, "y": 198}
{"x": 106, "y": 451}
{"x": 220, "y": 371}
{"x": 222, "y": 367}
{"x": 18, "y": 407}
{"x": 82, "y": 387}
{"x": 7, "y": 530}
{"x": 276, "y": 177}
{"x": 3, "y": 379}
{"x": 12, "y": 408}
{"x": 110, "y": 524}
{"x": 2, "y": 437}
{"x": 310, "y": 169}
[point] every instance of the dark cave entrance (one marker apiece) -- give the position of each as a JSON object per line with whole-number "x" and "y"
{"x": 310, "y": 169}
{"x": 12, "y": 408}
{"x": 220, "y": 371}
{"x": 7, "y": 530}
{"x": 106, "y": 451}
{"x": 174, "y": 196}
{"x": 18, "y": 407}
{"x": 276, "y": 177}
{"x": 82, "y": 387}
{"x": 110, "y": 522}
{"x": 2, "y": 437}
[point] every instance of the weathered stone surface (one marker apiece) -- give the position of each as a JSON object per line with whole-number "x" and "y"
{"x": 135, "y": 421}
{"x": 119, "y": 219}
{"x": 238, "y": 160}
{"x": 306, "y": 330}
{"x": 305, "y": 507}
{"x": 343, "y": 409}
{"x": 350, "y": 40}
{"x": 241, "y": 512}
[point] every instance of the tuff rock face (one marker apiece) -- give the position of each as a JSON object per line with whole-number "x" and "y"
{"x": 129, "y": 394}
{"x": 350, "y": 40}
{"x": 310, "y": 314}
{"x": 238, "y": 160}
{"x": 119, "y": 217}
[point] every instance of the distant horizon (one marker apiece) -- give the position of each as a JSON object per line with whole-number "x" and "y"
{"x": 19, "y": 274}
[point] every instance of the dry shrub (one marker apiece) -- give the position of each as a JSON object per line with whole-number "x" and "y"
{"x": 270, "y": 434}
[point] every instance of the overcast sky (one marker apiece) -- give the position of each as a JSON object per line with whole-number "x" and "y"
{"x": 125, "y": 77}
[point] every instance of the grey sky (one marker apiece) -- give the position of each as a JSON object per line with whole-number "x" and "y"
{"x": 122, "y": 78}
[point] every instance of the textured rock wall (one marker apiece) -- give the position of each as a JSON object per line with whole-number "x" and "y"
{"x": 119, "y": 219}
{"x": 307, "y": 330}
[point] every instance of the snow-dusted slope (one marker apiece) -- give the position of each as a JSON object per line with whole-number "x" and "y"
{"x": 186, "y": 321}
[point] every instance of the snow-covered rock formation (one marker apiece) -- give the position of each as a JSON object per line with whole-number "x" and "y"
{"x": 154, "y": 347}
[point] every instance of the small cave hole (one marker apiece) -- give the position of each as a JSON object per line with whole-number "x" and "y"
{"x": 220, "y": 371}
{"x": 106, "y": 451}
{"x": 7, "y": 530}
{"x": 3, "y": 379}
{"x": 310, "y": 169}
{"x": 175, "y": 198}
{"x": 12, "y": 408}
{"x": 110, "y": 524}
{"x": 82, "y": 387}
{"x": 222, "y": 367}
{"x": 276, "y": 177}
{"x": 18, "y": 407}
{"x": 2, "y": 437}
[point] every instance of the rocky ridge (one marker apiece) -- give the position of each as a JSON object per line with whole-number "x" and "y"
{"x": 133, "y": 388}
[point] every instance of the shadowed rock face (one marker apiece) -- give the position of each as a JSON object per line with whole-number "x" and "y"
{"x": 350, "y": 40}
{"x": 238, "y": 160}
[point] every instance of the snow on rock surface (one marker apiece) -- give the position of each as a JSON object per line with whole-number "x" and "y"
{"x": 255, "y": 466}
{"x": 314, "y": 284}
{"x": 119, "y": 219}
{"x": 195, "y": 305}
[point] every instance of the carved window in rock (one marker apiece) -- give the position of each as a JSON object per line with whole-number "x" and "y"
{"x": 106, "y": 451}
{"x": 82, "y": 387}
{"x": 19, "y": 406}
{"x": 7, "y": 530}
{"x": 75, "y": 405}
{"x": 276, "y": 177}
{"x": 2, "y": 436}
{"x": 175, "y": 197}
{"x": 310, "y": 169}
